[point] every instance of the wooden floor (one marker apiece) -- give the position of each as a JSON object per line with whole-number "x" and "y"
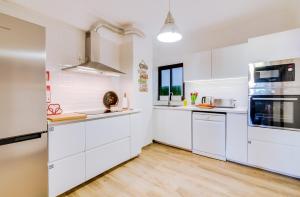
{"x": 164, "y": 171}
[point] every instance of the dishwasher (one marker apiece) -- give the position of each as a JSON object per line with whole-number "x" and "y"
{"x": 209, "y": 135}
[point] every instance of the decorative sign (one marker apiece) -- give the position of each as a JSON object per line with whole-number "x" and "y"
{"x": 143, "y": 77}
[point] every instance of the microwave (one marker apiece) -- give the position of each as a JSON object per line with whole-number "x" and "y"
{"x": 274, "y": 75}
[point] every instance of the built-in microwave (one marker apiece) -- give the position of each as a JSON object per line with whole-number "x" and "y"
{"x": 275, "y": 111}
{"x": 275, "y": 74}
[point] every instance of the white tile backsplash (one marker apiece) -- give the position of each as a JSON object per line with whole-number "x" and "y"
{"x": 79, "y": 91}
{"x": 235, "y": 88}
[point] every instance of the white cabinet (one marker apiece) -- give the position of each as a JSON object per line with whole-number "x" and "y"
{"x": 173, "y": 127}
{"x": 66, "y": 140}
{"x": 80, "y": 151}
{"x": 229, "y": 62}
{"x": 275, "y": 150}
{"x": 65, "y": 174}
{"x": 236, "y": 137}
{"x": 106, "y": 130}
{"x": 277, "y": 46}
{"x": 105, "y": 157}
{"x": 197, "y": 66}
{"x": 209, "y": 134}
{"x": 275, "y": 157}
{"x": 136, "y": 134}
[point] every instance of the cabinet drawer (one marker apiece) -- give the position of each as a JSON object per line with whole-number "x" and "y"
{"x": 65, "y": 174}
{"x": 66, "y": 140}
{"x": 104, "y": 131}
{"x": 105, "y": 157}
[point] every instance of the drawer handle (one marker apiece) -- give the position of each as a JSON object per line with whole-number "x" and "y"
{"x": 51, "y": 166}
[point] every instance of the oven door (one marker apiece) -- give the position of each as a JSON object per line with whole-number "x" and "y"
{"x": 275, "y": 111}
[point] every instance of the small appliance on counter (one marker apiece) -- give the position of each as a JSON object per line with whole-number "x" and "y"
{"x": 224, "y": 103}
{"x": 207, "y": 100}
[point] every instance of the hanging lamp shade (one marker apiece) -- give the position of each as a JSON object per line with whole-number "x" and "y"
{"x": 169, "y": 32}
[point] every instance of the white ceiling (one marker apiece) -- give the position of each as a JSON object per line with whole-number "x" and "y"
{"x": 150, "y": 14}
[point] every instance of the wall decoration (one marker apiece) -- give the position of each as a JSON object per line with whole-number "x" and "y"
{"x": 143, "y": 76}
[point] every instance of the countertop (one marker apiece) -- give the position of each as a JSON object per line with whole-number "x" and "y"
{"x": 97, "y": 116}
{"x": 239, "y": 110}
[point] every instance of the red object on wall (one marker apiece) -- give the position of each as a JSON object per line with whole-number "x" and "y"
{"x": 54, "y": 109}
{"x": 47, "y": 75}
{"x": 48, "y": 94}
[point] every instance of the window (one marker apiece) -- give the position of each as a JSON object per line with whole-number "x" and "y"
{"x": 170, "y": 81}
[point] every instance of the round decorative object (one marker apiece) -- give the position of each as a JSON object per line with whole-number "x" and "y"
{"x": 110, "y": 99}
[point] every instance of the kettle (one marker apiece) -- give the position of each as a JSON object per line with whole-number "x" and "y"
{"x": 207, "y": 100}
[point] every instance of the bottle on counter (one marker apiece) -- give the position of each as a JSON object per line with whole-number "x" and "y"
{"x": 125, "y": 102}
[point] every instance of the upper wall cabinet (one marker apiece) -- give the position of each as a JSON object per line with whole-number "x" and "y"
{"x": 230, "y": 61}
{"x": 197, "y": 66}
{"x": 278, "y": 46}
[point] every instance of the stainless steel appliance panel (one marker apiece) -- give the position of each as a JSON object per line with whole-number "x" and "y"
{"x": 280, "y": 111}
{"x": 23, "y": 168}
{"x": 22, "y": 77}
{"x": 275, "y": 78}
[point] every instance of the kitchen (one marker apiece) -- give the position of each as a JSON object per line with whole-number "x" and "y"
{"x": 225, "y": 96}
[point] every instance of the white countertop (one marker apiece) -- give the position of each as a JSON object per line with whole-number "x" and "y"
{"x": 239, "y": 110}
{"x": 97, "y": 116}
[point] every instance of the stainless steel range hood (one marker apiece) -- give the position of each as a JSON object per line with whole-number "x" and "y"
{"x": 92, "y": 63}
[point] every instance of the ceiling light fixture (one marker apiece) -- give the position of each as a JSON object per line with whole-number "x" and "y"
{"x": 169, "y": 32}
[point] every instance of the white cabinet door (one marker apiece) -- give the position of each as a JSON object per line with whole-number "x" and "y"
{"x": 197, "y": 66}
{"x": 173, "y": 127}
{"x": 237, "y": 138}
{"x": 106, "y": 130}
{"x": 229, "y": 62}
{"x": 65, "y": 174}
{"x": 274, "y": 149}
{"x": 136, "y": 134}
{"x": 275, "y": 157}
{"x": 66, "y": 140}
{"x": 277, "y": 46}
{"x": 103, "y": 158}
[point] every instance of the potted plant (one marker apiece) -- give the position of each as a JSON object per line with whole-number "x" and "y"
{"x": 194, "y": 96}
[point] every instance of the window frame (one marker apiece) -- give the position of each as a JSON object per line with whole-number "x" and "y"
{"x": 170, "y": 67}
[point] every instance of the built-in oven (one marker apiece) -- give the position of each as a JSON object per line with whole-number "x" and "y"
{"x": 275, "y": 111}
{"x": 275, "y": 74}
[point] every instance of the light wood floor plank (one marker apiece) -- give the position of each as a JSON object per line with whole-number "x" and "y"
{"x": 165, "y": 171}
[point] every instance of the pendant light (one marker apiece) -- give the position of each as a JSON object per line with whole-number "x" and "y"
{"x": 169, "y": 32}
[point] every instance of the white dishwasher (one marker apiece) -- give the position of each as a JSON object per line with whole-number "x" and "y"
{"x": 209, "y": 135}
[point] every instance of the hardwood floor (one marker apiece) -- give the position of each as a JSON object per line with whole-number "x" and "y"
{"x": 164, "y": 171}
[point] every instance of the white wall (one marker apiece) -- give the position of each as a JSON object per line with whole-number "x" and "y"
{"x": 64, "y": 45}
{"x": 228, "y": 33}
{"x": 221, "y": 35}
{"x": 135, "y": 49}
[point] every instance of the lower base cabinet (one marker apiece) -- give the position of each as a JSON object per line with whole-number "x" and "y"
{"x": 236, "y": 137}
{"x": 100, "y": 159}
{"x": 81, "y": 151}
{"x": 66, "y": 173}
{"x": 173, "y": 127}
{"x": 278, "y": 158}
{"x": 275, "y": 150}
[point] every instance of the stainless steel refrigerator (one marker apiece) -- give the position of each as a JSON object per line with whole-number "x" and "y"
{"x": 23, "y": 121}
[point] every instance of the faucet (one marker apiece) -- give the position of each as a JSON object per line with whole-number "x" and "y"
{"x": 170, "y": 98}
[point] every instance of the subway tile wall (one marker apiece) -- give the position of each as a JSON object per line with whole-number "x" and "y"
{"x": 80, "y": 91}
{"x": 235, "y": 88}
